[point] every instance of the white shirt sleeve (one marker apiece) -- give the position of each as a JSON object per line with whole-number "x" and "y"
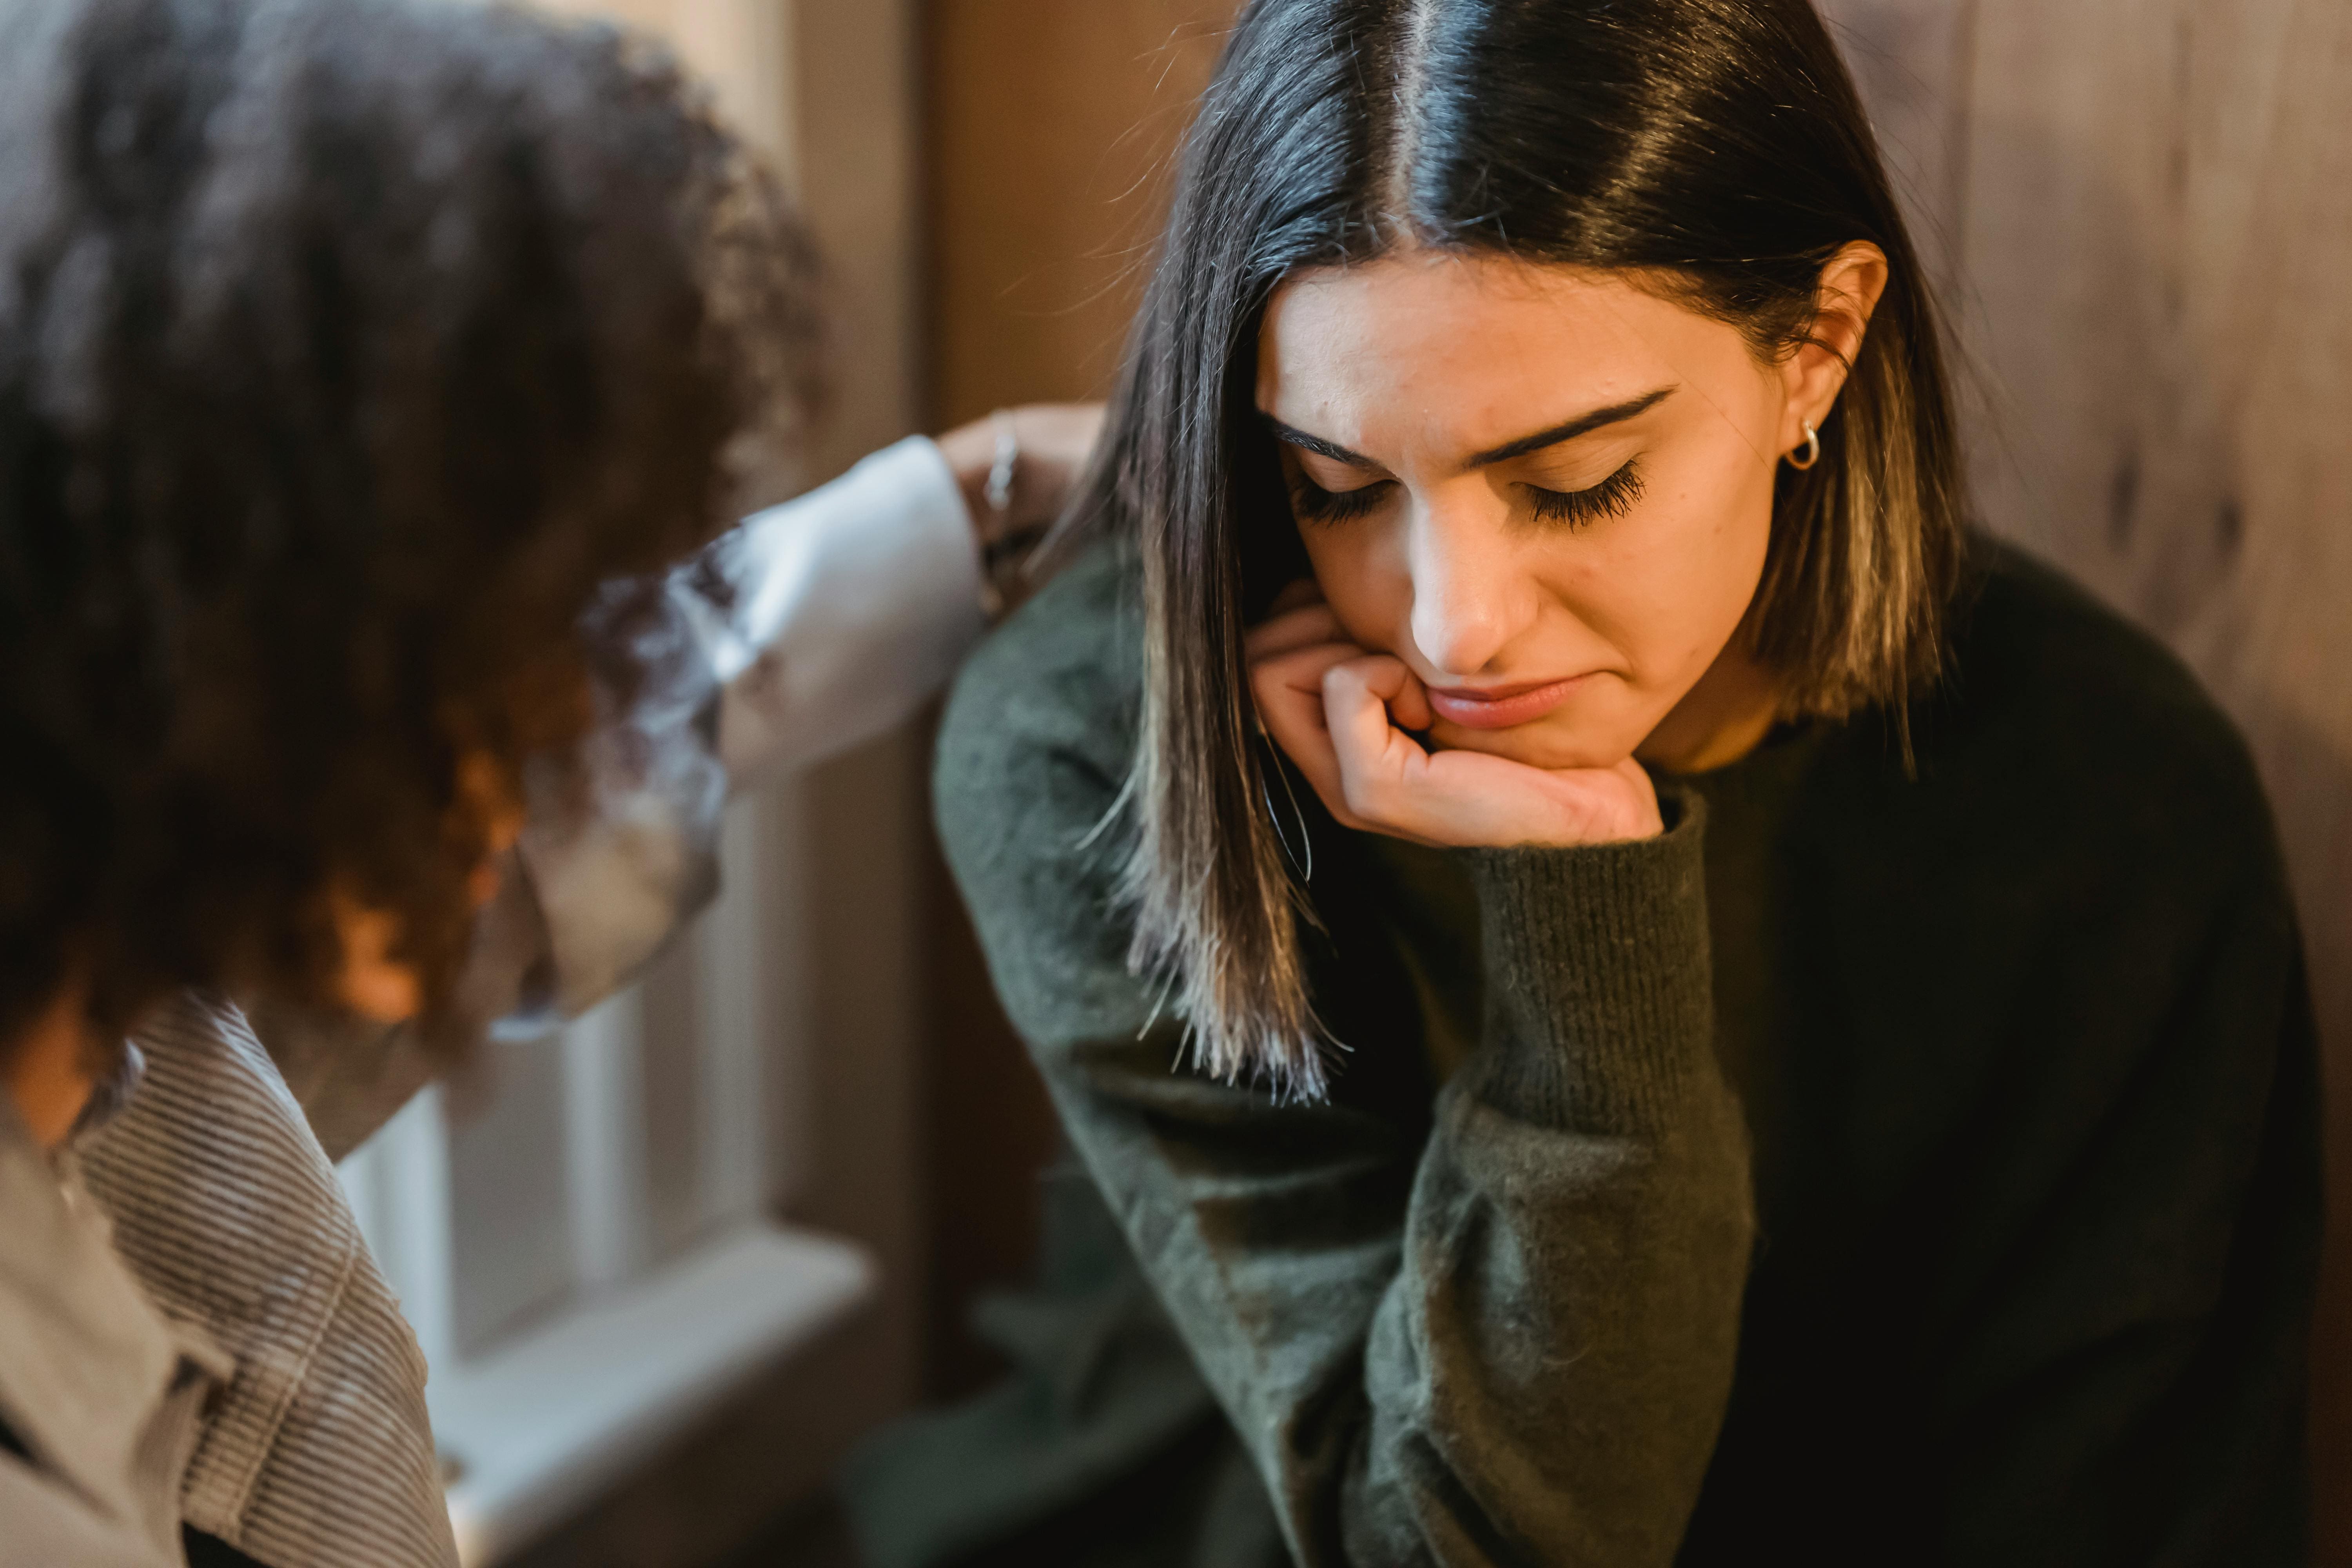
{"x": 812, "y": 627}
{"x": 851, "y": 608}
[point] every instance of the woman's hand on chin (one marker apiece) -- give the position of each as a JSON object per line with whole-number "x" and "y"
{"x": 1341, "y": 715}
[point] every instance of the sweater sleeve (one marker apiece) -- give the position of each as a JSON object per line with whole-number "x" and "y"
{"x": 1504, "y": 1336}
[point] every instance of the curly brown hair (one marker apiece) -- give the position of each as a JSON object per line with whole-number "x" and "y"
{"x": 346, "y": 346}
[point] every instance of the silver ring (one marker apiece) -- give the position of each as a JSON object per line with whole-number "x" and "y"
{"x": 999, "y": 493}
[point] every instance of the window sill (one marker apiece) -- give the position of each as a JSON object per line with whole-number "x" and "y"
{"x": 536, "y": 1429}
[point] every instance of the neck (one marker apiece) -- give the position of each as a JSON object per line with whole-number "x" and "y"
{"x": 1719, "y": 720}
{"x": 45, "y": 1069}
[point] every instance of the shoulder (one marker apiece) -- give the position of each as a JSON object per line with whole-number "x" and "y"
{"x": 1032, "y": 769}
{"x": 2027, "y": 635}
{"x": 1041, "y": 725}
{"x": 2059, "y": 707}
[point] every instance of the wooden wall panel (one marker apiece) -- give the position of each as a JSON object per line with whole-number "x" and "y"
{"x": 2145, "y": 210}
{"x": 1049, "y": 121}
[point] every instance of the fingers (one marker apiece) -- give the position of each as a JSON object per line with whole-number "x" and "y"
{"x": 1288, "y": 656}
{"x": 1288, "y": 691}
{"x": 1288, "y": 687}
{"x": 1375, "y": 761}
{"x": 1389, "y": 784}
{"x": 1051, "y": 444}
{"x": 1384, "y": 679}
{"x": 1335, "y": 712}
{"x": 1290, "y": 630}
{"x": 1355, "y": 706}
{"x": 1410, "y": 707}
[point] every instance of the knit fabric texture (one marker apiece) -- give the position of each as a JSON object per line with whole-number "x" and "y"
{"x": 1887, "y": 1163}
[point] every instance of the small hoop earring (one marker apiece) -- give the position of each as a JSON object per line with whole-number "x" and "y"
{"x": 1813, "y": 451}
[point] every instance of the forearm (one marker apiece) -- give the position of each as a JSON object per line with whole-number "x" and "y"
{"x": 810, "y": 628}
{"x": 1527, "y": 1360}
{"x": 1552, "y": 1364}
{"x": 855, "y": 603}
{"x": 1521, "y": 1340}
{"x": 851, "y": 606}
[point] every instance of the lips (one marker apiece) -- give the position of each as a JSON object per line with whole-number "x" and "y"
{"x": 1500, "y": 706}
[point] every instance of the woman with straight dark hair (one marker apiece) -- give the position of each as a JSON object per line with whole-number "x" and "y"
{"x": 1638, "y": 993}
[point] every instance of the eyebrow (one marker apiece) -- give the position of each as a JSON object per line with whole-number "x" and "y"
{"x": 1567, "y": 430}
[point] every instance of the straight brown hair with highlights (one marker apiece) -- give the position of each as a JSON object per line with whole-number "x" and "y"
{"x": 1715, "y": 149}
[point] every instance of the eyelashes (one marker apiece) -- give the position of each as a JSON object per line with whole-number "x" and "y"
{"x": 1612, "y": 496}
{"x": 1313, "y": 503}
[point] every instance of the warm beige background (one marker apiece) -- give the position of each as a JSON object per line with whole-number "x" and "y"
{"x": 1050, "y": 120}
{"x": 1049, "y": 124}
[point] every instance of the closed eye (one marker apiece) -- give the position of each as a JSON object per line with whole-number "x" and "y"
{"x": 1313, "y": 503}
{"x": 1612, "y": 496}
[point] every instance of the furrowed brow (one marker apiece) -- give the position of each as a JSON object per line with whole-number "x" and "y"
{"x": 1314, "y": 443}
{"x": 1583, "y": 424}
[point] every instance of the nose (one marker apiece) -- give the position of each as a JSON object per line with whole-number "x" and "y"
{"x": 1470, "y": 597}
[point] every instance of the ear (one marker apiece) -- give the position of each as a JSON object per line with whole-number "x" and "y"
{"x": 1851, "y": 286}
{"x": 373, "y": 983}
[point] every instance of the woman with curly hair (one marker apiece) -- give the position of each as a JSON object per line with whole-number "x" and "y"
{"x": 366, "y": 368}
{"x": 1632, "y": 991}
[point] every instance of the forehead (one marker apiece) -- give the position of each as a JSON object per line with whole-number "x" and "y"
{"x": 1485, "y": 346}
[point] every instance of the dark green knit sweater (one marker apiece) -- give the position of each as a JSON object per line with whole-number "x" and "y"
{"x": 1873, "y": 1169}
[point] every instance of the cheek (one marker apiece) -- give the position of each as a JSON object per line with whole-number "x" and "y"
{"x": 1681, "y": 580}
{"x": 1731, "y": 558}
{"x": 1364, "y": 581}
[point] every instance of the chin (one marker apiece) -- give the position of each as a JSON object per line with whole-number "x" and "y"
{"x": 1551, "y": 742}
